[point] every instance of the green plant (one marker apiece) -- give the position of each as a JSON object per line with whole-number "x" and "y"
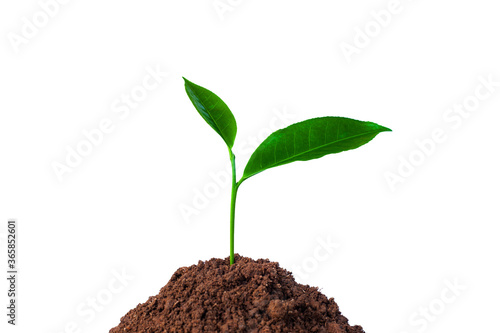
{"x": 302, "y": 141}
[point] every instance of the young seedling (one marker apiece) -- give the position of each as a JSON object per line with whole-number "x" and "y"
{"x": 302, "y": 141}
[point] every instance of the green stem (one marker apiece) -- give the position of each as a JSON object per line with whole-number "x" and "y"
{"x": 234, "y": 189}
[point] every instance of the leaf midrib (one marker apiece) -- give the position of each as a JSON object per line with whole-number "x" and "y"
{"x": 317, "y": 147}
{"x": 210, "y": 115}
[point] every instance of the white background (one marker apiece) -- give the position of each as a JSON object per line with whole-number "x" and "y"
{"x": 119, "y": 209}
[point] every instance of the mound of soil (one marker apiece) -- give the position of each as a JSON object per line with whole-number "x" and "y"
{"x": 254, "y": 296}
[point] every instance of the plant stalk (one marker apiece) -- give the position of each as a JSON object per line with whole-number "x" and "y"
{"x": 234, "y": 190}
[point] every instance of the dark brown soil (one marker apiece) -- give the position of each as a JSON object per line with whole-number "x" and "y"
{"x": 254, "y": 296}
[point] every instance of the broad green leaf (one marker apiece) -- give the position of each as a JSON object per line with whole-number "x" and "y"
{"x": 213, "y": 110}
{"x": 310, "y": 139}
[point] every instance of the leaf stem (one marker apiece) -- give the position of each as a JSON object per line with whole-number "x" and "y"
{"x": 234, "y": 190}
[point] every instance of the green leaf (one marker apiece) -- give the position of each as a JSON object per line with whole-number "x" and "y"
{"x": 310, "y": 139}
{"x": 213, "y": 110}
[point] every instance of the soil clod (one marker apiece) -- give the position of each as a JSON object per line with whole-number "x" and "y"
{"x": 252, "y": 296}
